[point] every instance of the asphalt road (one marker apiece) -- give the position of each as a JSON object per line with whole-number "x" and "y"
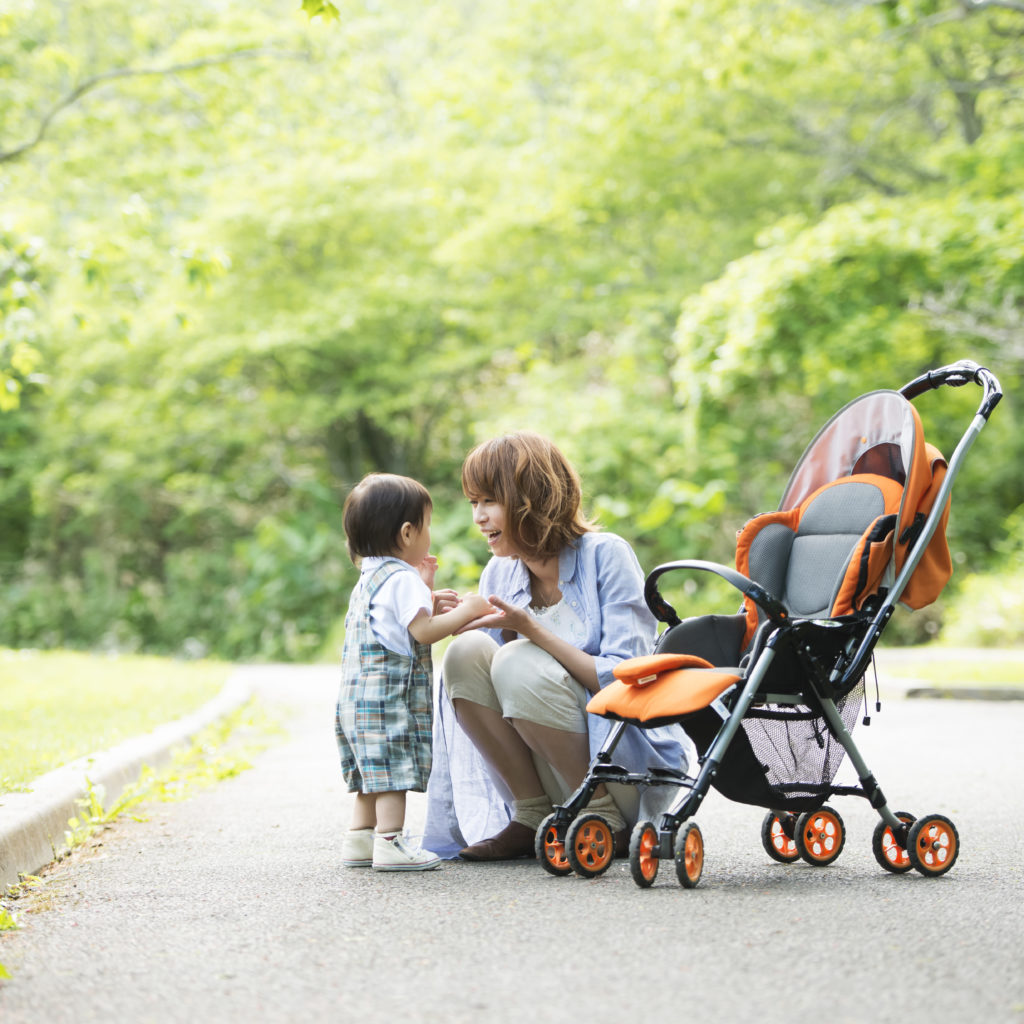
{"x": 233, "y": 907}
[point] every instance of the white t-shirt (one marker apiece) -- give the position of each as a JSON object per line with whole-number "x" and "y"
{"x": 563, "y": 622}
{"x": 400, "y": 599}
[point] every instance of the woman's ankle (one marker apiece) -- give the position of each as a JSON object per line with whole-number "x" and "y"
{"x": 531, "y": 811}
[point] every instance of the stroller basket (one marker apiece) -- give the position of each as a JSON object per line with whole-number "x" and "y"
{"x": 770, "y": 695}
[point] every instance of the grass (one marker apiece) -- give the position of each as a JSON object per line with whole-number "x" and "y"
{"x": 61, "y": 705}
{"x": 932, "y": 666}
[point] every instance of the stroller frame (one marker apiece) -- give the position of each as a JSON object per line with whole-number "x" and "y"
{"x": 831, "y": 655}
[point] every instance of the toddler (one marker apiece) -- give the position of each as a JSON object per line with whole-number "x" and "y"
{"x": 384, "y": 711}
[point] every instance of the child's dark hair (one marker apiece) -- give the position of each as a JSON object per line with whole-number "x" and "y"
{"x": 377, "y": 507}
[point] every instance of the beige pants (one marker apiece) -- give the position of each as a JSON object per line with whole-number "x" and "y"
{"x": 521, "y": 680}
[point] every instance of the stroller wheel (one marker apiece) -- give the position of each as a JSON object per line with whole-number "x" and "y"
{"x": 550, "y": 849}
{"x": 777, "y": 831}
{"x": 933, "y": 845}
{"x": 590, "y": 845}
{"x": 643, "y": 862}
{"x": 689, "y": 855}
{"x": 820, "y": 835}
{"x": 886, "y": 846}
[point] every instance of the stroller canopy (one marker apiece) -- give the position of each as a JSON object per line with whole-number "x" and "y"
{"x": 881, "y": 433}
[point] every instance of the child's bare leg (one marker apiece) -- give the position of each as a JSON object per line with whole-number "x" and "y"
{"x": 364, "y": 814}
{"x": 390, "y": 811}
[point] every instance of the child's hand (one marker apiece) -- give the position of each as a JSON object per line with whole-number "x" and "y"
{"x": 515, "y": 621}
{"x": 428, "y": 570}
{"x": 445, "y": 601}
{"x": 481, "y": 609}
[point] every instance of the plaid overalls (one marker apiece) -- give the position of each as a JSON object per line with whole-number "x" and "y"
{"x": 384, "y": 712}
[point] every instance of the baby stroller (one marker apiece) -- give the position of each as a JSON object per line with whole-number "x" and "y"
{"x": 770, "y": 694}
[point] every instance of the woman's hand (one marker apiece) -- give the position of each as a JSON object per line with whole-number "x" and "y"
{"x": 507, "y": 617}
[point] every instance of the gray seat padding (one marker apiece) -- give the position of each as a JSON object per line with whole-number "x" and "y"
{"x": 805, "y": 568}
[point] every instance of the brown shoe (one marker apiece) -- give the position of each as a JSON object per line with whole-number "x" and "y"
{"x": 515, "y": 840}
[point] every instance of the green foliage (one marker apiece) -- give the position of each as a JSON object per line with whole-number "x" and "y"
{"x": 284, "y": 249}
{"x": 845, "y": 305}
{"x": 989, "y": 609}
{"x": 320, "y": 9}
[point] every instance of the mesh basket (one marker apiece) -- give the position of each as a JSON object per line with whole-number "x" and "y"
{"x": 796, "y": 751}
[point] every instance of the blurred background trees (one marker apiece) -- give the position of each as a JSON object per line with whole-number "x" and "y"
{"x": 246, "y": 257}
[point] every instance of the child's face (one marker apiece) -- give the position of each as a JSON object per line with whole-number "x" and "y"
{"x": 416, "y": 541}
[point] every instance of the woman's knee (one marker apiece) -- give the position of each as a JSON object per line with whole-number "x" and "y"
{"x": 466, "y": 668}
{"x": 520, "y": 660}
{"x": 532, "y": 685}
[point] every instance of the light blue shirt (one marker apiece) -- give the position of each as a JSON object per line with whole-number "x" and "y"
{"x": 602, "y": 582}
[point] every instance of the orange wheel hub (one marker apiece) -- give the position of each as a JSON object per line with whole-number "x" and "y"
{"x": 690, "y": 855}
{"x": 933, "y": 845}
{"x": 777, "y": 832}
{"x": 590, "y": 845}
{"x": 550, "y": 850}
{"x": 820, "y": 836}
{"x": 889, "y": 849}
{"x": 554, "y": 849}
{"x": 648, "y": 862}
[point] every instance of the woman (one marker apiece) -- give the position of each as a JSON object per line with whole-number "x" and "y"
{"x": 571, "y": 606}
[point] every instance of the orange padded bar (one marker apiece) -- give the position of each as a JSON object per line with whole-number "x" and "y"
{"x": 673, "y": 694}
{"x": 644, "y": 670}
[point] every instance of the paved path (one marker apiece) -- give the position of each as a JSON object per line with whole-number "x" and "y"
{"x": 232, "y": 907}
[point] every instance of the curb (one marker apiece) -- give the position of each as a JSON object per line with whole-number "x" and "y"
{"x": 965, "y": 693}
{"x": 33, "y": 824}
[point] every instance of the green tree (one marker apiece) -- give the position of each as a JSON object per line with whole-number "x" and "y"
{"x": 281, "y": 252}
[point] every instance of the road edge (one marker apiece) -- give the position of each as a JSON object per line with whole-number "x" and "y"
{"x": 33, "y": 824}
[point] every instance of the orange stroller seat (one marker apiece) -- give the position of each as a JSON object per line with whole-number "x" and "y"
{"x": 820, "y": 559}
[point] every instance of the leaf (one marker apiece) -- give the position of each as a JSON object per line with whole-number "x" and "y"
{"x": 320, "y": 9}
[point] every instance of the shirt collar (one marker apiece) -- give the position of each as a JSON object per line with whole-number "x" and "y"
{"x": 567, "y": 561}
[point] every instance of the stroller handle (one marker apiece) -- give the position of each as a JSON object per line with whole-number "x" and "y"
{"x": 774, "y": 609}
{"x": 956, "y": 375}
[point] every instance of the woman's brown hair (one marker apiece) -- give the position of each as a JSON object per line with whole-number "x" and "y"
{"x": 536, "y": 486}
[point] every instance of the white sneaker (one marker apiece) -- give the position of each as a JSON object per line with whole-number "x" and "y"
{"x": 357, "y": 848}
{"x": 396, "y": 853}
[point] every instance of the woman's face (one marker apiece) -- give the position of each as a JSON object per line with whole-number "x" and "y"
{"x": 489, "y": 518}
